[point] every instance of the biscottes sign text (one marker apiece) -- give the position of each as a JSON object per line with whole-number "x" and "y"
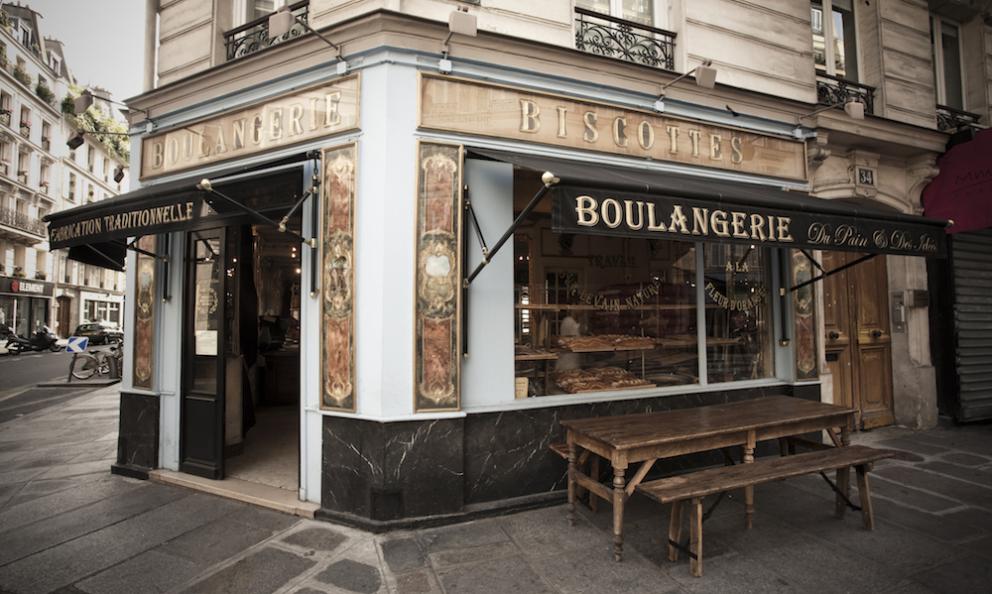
{"x": 476, "y": 108}
{"x": 287, "y": 120}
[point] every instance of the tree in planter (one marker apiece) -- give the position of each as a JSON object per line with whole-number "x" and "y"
{"x": 23, "y": 77}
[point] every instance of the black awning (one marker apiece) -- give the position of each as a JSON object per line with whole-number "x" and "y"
{"x": 627, "y": 202}
{"x": 97, "y": 233}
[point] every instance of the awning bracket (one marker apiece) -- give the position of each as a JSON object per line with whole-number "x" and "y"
{"x": 827, "y": 273}
{"x": 133, "y": 246}
{"x": 206, "y": 186}
{"x": 812, "y": 260}
{"x": 115, "y": 264}
{"x": 475, "y": 224}
{"x": 549, "y": 179}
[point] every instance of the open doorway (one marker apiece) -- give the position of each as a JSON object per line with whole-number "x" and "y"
{"x": 241, "y": 395}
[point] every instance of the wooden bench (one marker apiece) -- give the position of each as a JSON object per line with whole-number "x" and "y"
{"x": 696, "y": 485}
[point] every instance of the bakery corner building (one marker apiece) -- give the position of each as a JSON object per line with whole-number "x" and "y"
{"x": 380, "y": 287}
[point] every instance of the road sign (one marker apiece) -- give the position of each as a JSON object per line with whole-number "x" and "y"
{"x": 76, "y": 344}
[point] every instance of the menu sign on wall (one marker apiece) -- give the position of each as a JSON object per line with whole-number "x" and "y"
{"x": 304, "y": 115}
{"x": 471, "y": 107}
{"x": 627, "y": 214}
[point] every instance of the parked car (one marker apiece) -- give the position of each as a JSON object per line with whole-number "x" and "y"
{"x": 99, "y": 332}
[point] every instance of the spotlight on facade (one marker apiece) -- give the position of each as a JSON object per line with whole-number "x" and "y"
{"x": 460, "y": 22}
{"x": 281, "y": 22}
{"x": 118, "y": 174}
{"x": 704, "y": 75}
{"x": 855, "y": 109}
{"x": 76, "y": 141}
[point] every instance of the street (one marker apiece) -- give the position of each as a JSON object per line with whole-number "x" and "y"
{"x": 19, "y": 374}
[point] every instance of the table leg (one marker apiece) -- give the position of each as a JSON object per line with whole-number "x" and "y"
{"x": 675, "y": 530}
{"x": 571, "y": 480}
{"x": 843, "y": 475}
{"x": 749, "y": 491}
{"x": 619, "y": 494}
{"x": 594, "y": 475}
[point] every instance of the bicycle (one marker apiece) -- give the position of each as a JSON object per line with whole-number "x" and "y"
{"x": 98, "y": 362}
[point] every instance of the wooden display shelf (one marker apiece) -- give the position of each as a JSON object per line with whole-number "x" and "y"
{"x": 536, "y": 357}
{"x": 569, "y": 307}
{"x": 609, "y": 349}
{"x": 645, "y": 386}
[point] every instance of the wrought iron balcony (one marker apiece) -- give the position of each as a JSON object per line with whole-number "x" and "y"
{"x": 254, "y": 36}
{"x": 950, "y": 119}
{"x": 22, "y": 221}
{"x": 833, "y": 90}
{"x": 609, "y": 36}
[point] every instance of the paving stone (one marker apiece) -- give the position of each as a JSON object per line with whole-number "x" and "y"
{"x": 308, "y": 591}
{"x": 935, "y": 483}
{"x": 963, "y": 574}
{"x": 151, "y": 571}
{"x": 259, "y": 573}
{"x": 974, "y": 475}
{"x": 216, "y": 541}
{"x": 352, "y": 576}
{"x": 966, "y": 459}
{"x": 470, "y": 534}
{"x": 48, "y": 506}
{"x": 319, "y": 539}
{"x": 450, "y": 557}
{"x": 974, "y": 517}
{"x": 509, "y": 574}
{"x": 73, "y": 560}
{"x": 905, "y": 494}
{"x": 546, "y": 531}
{"x": 84, "y": 520}
{"x": 403, "y": 554}
{"x": 596, "y": 571}
{"x": 948, "y": 528}
{"x": 266, "y": 519}
{"x": 417, "y": 582}
{"x": 913, "y": 445}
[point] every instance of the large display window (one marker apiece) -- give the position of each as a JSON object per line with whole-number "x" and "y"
{"x": 597, "y": 314}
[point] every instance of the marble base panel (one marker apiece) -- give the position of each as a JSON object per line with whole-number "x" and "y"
{"x": 383, "y": 475}
{"x": 137, "y": 440}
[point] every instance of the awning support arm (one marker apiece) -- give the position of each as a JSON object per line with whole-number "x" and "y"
{"x": 285, "y": 219}
{"x": 115, "y": 263}
{"x": 206, "y": 186}
{"x": 134, "y": 247}
{"x": 475, "y": 225}
{"x": 812, "y": 260}
{"x": 833, "y": 272}
{"x": 549, "y": 180}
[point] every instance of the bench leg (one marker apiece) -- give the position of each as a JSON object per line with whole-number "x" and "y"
{"x": 619, "y": 494}
{"x": 864, "y": 495}
{"x": 571, "y": 483}
{"x": 749, "y": 491}
{"x": 843, "y": 476}
{"x": 696, "y": 537}
{"x": 783, "y": 446}
{"x": 594, "y": 475}
{"x": 675, "y": 530}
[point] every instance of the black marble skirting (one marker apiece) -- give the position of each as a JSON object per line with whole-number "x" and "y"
{"x": 396, "y": 475}
{"x": 137, "y": 440}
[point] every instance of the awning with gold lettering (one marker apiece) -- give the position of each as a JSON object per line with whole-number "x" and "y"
{"x": 97, "y": 233}
{"x": 628, "y": 202}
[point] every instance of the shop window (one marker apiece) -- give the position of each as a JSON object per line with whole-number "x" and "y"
{"x": 737, "y": 285}
{"x": 945, "y": 41}
{"x": 835, "y": 50}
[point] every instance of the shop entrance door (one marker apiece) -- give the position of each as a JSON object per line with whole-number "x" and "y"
{"x": 858, "y": 343}
{"x": 201, "y": 447}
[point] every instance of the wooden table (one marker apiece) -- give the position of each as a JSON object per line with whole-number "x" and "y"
{"x": 628, "y": 439}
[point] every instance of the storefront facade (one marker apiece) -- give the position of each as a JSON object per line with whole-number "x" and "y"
{"x": 25, "y": 305}
{"x": 647, "y": 260}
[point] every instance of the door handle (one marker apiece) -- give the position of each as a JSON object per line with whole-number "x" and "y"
{"x": 833, "y": 335}
{"x": 876, "y": 333}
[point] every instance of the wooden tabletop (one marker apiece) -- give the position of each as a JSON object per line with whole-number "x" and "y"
{"x": 630, "y": 431}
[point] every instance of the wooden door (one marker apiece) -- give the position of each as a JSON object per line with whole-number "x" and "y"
{"x": 858, "y": 343}
{"x": 201, "y": 446}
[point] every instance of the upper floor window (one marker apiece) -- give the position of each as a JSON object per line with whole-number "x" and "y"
{"x": 26, "y": 36}
{"x": 835, "y": 50}
{"x": 945, "y": 38}
{"x": 72, "y": 186}
{"x": 90, "y": 158}
{"x": 54, "y": 61}
{"x": 638, "y": 11}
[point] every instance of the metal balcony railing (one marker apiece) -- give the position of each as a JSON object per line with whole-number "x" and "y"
{"x": 24, "y": 222}
{"x": 833, "y": 90}
{"x": 950, "y": 119}
{"x": 612, "y": 37}
{"x": 254, "y": 36}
